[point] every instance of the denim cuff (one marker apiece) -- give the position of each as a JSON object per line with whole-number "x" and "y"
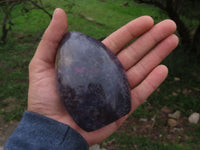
{"x": 36, "y": 131}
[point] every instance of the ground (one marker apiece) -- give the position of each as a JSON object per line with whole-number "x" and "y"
{"x": 6, "y": 129}
{"x": 154, "y": 128}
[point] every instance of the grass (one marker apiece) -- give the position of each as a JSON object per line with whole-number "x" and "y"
{"x": 108, "y": 16}
{"x": 126, "y": 141}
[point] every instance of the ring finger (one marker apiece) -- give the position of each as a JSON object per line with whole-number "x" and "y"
{"x": 135, "y": 51}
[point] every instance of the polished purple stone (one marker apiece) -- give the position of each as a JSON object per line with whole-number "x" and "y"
{"x": 91, "y": 82}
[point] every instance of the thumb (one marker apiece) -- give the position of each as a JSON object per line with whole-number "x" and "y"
{"x": 51, "y": 38}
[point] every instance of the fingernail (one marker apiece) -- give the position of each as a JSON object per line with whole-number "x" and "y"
{"x": 55, "y": 11}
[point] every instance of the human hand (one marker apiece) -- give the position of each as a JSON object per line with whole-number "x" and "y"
{"x": 140, "y": 60}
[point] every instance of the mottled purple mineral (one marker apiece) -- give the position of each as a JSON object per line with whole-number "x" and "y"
{"x": 91, "y": 82}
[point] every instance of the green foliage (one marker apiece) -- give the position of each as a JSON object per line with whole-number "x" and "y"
{"x": 23, "y": 6}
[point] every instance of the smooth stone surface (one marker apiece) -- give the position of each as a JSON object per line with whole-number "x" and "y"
{"x": 95, "y": 147}
{"x": 91, "y": 82}
{"x": 194, "y": 118}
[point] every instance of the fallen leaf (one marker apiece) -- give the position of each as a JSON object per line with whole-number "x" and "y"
{"x": 143, "y": 119}
{"x": 166, "y": 110}
{"x": 177, "y": 79}
{"x": 186, "y": 91}
{"x": 89, "y": 18}
{"x": 175, "y": 115}
{"x": 174, "y": 94}
{"x": 172, "y": 122}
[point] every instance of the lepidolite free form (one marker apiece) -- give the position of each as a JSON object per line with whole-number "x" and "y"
{"x": 91, "y": 82}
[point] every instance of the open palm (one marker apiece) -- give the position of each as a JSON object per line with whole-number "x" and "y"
{"x": 140, "y": 59}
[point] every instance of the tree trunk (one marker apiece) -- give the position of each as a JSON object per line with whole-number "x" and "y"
{"x": 171, "y": 7}
{"x": 6, "y": 19}
{"x": 181, "y": 27}
{"x": 196, "y": 42}
{"x": 4, "y": 28}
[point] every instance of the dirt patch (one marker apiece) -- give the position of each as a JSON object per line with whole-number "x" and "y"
{"x": 6, "y": 129}
{"x": 8, "y": 104}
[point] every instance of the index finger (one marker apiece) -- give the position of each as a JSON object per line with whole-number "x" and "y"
{"x": 117, "y": 40}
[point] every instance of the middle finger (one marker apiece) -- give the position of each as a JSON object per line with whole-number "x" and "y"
{"x": 134, "y": 52}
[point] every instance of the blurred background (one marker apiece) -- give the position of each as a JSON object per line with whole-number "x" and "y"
{"x": 167, "y": 120}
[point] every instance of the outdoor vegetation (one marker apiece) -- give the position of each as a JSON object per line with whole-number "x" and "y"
{"x": 22, "y": 23}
